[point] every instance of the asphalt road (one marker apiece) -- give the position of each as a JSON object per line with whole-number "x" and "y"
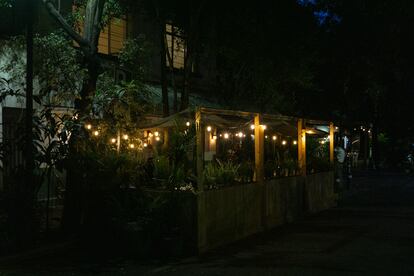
{"x": 371, "y": 232}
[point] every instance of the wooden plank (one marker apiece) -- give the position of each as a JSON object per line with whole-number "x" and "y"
{"x": 331, "y": 142}
{"x": 302, "y": 146}
{"x": 199, "y": 151}
{"x": 259, "y": 149}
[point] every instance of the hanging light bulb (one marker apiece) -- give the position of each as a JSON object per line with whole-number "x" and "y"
{"x": 264, "y": 127}
{"x": 226, "y": 136}
{"x": 156, "y": 134}
{"x": 132, "y": 146}
{"x": 274, "y": 137}
{"x": 251, "y": 127}
{"x": 125, "y": 136}
{"x": 157, "y": 138}
{"x": 96, "y": 133}
{"x": 240, "y": 134}
{"x": 150, "y": 134}
{"x": 284, "y": 142}
{"x": 295, "y": 142}
{"x": 266, "y": 136}
{"x": 209, "y": 128}
{"x": 145, "y": 145}
{"x": 88, "y": 126}
{"x": 187, "y": 124}
{"x": 113, "y": 140}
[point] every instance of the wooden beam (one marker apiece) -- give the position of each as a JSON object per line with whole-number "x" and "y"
{"x": 331, "y": 142}
{"x": 199, "y": 151}
{"x": 302, "y": 146}
{"x": 259, "y": 149}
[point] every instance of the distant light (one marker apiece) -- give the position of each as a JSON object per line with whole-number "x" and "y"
{"x": 132, "y": 146}
{"x": 145, "y": 145}
{"x": 150, "y": 134}
{"x": 295, "y": 142}
{"x": 125, "y": 137}
{"x": 252, "y": 135}
{"x": 266, "y": 136}
{"x": 96, "y": 133}
{"x": 336, "y": 128}
{"x": 226, "y": 136}
{"x": 221, "y": 135}
{"x": 113, "y": 140}
{"x": 156, "y": 134}
{"x": 88, "y": 126}
{"x": 209, "y": 128}
{"x": 187, "y": 124}
{"x": 310, "y": 132}
{"x": 252, "y": 127}
{"x": 264, "y": 127}
{"x": 240, "y": 134}
{"x": 323, "y": 142}
{"x": 214, "y": 137}
{"x": 157, "y": 138}
{"x": 284, "y": 142}
{"x": 274, "y": 137}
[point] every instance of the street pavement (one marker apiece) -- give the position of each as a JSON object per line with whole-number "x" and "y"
{"x": 371, "y": 232}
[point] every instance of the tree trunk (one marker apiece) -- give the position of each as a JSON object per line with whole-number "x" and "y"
{"x": 164, "y": 86}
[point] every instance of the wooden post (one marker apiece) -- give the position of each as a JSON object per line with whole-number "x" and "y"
{"x": 331, "y": 142}
{"x": 302, "y": 146}
{"x": 259, "y": 149}
{"x": 199, "y": 150}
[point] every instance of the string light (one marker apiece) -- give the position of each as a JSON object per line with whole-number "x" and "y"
{"x": 263, "y": 127}
{"x": 209, "y": 128}
{"x": 88, "y": 126}
{"x": 266, "y": 137}
{"x": 113, "y": 140}
{"x": 157, "y": 138}
{"x": 295, "y": 142}
{"x": 240, "y": 134}
{"x": 226, "y": 136}
{"x": 150, "y": 134}
{"x": 96, "y": 133}
{"x": 132, "y": 146}
{"x": 215, "y": 137}
{"x": 125, "y": 137}
{"x": 187, "y": 124}
{"x": 251, "y": 127}
{"x": 274, "y": 137}
{"x": 156, "y": 134}
{"x": 145, "y": 145}
{"x": 284, "y": 142}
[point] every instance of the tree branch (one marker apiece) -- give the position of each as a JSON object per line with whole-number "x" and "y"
{"x": 59, "y": 18}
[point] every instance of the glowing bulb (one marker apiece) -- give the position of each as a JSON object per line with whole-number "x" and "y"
{"x": 145, "y": 145}
{"x": 274, "y": 137}
{"x": 187, "y": 124}
{"x": 150, "y": 135}
{"x": 264, "y": 127}
{"x": 209, "y": 128}
{"x": 132, "y": 146}
{"x": 226, "y": 136}
{"x": 240, "y": 134}
{"x": 96, "y": 133}
{"x": 266, "y": 137}
{"x": 322, "y": 142}
{"x": 214, "y": 137}
{"x": 252, "y": 127}
{"x": 113, "y": 140}
{"x": 295, "y": 142}
{"x": 157, "y": 138}
{"x": 284, "y": 142}
{"x": 125, "y": 137}
{"x": 156, "y": 134}
{"x": 88, "y": 126}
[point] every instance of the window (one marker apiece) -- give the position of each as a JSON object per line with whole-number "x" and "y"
{"x": 112, "y": 37}
{"x": 176, "y": 46}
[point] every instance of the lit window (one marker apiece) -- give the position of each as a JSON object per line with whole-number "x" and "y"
{"x": 176, "y": 46}
{"x": 112, "y": 37}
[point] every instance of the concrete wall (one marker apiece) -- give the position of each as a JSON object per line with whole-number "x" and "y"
{"x": 233, "y": 213}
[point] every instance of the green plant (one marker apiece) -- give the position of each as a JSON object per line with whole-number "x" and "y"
{"x": 221, "y": 173}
